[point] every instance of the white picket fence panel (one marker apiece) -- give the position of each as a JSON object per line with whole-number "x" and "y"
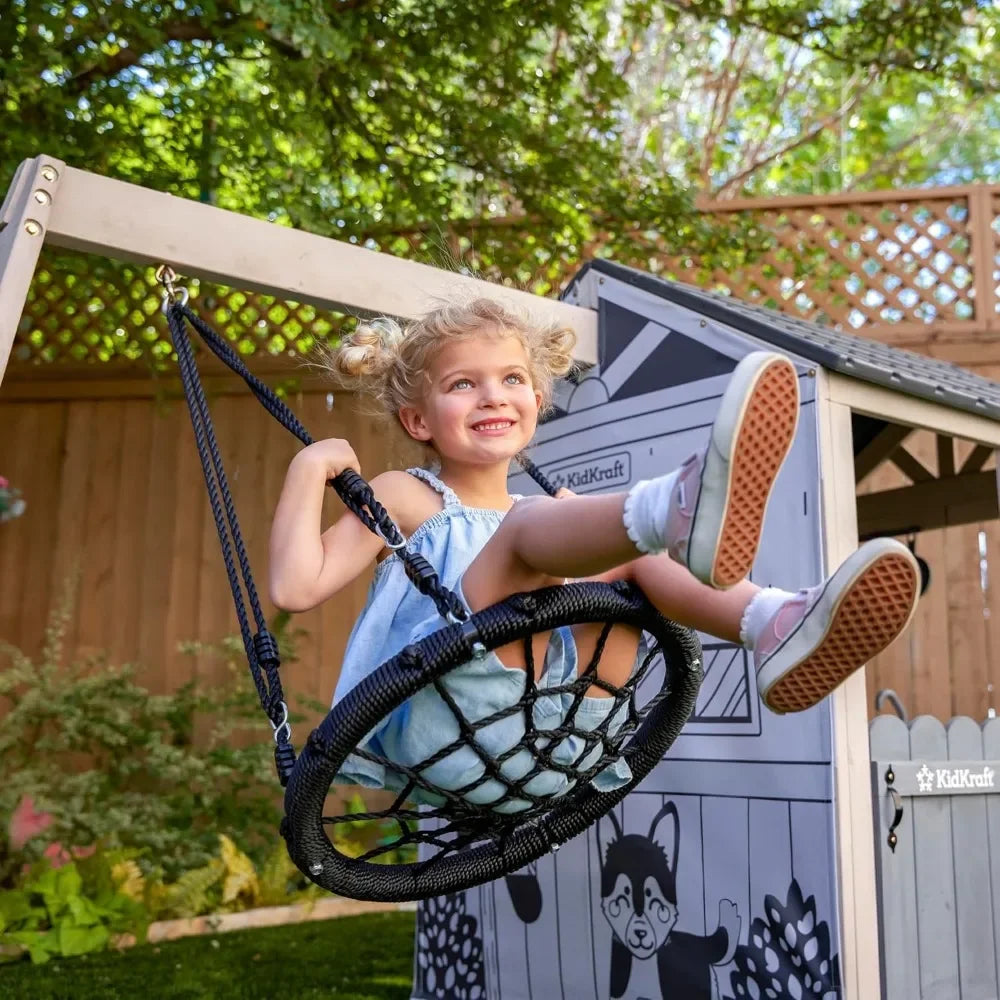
{"x": 939, "y": 867}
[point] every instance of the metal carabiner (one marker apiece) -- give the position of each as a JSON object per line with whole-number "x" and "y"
{"x": 283, "y": 725}
{"x": 389, "y": 545}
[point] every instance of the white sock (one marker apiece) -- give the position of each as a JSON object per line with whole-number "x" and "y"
{"x": 763, "y": 606}
{"x": 645, "y": 514}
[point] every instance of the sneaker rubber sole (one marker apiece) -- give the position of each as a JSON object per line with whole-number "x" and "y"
{"x": 864, "y": 606}
{"x": 752, "y": 433}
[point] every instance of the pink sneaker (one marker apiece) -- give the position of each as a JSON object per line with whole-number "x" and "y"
{"x": 821, "y": 636}
{"x": 717, "y": 507}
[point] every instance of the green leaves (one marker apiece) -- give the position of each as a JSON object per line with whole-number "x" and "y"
{"x": 56, "y": 911}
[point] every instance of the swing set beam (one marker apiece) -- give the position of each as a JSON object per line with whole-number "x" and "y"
{"x": 49, "y": 203}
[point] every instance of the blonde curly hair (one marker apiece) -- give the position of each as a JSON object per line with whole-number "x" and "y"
{"x": 390, "y": 363}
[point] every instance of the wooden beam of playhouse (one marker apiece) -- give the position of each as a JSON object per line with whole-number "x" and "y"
{"x": 99, "y": 215}
{"x": 932, "y": 503}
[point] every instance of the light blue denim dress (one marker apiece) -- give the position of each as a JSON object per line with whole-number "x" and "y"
{"x": 396, "y": 614}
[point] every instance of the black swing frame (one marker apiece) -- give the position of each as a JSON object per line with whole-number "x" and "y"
{"x": 475, "y": 844}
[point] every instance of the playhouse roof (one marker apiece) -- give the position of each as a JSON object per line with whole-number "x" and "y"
{"x": 847, "y": 353}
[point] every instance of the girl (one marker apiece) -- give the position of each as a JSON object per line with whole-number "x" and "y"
{"x": 469, "y": 382}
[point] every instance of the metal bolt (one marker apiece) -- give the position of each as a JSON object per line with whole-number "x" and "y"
{"x": 32, "y": 228}
{"x": 42, "y": 197}
{"x": 703, "y": 323}
{"x": 50, "y": 173}
{"x": 316, "y": 868}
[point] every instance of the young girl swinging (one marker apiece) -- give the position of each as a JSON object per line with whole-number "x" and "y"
{"x": 469, "y": 382}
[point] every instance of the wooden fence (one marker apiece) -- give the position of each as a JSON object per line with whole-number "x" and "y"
{"x": 110, "y": 472}
{"x": 937, "y": 861}
{"x": 117, "y": 508}
{"x": 115, "y": 490}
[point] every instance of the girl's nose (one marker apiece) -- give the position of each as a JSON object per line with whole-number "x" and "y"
{"x": 493, "y": 395}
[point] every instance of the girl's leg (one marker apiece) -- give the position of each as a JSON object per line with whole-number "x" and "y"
{"x": 708, "y": 515}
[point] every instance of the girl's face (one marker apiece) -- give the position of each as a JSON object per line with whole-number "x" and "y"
{"x": 480, "y": 406}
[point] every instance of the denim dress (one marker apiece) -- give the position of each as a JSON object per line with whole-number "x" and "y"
{"x": 397, "y": 614}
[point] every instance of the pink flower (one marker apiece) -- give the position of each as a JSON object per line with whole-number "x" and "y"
{"x": 25, "y": 823}
{"x": 56, "y": 854}
{"x": 3, "y": 482}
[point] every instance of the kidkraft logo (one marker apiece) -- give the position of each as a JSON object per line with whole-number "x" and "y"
{"x": 595, "y": 473}
{"x": 954, "y": 779}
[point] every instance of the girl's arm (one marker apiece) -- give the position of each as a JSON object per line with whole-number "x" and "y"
{"x": 307, "y": 564}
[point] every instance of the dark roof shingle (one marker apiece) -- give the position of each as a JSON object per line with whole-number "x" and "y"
{"x": 859, "y": 357}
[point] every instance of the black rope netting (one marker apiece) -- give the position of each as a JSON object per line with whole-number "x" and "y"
{"x": 461, "y": 841}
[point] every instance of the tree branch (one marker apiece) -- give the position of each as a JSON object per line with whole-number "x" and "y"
{"x": 179, "y": 31}
{"x": 736, "y": 19}
{"x": 738, "y": 179}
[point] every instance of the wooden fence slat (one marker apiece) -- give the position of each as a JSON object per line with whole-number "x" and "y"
{"x": 95, "y": 609}
{"x": 896, "y": 871}
{"x": 160, "y": 521}
{"x": 970, "y": 858}
{"x": 133, "y": 486}
{"x": 991, "y": 751}
{"x": 17, "y": 536}
{"x": 67, "y": 552}
{"x": 937, "y": 949}
{"x": 41, "y": 489}
{"x": 931, "y": 693}
{"x": 966, "y": 630}
{"x": 992, "y": 614}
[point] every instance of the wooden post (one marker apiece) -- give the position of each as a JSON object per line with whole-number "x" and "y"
{"x": 24, "y": 220}
{"x": 981, "y": 257}
{"x": 852, "y": 791}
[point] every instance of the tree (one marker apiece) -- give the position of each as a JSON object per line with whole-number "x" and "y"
{"x": 782, "y": 97}
{"x": 358, "y": 119}
{"x": 516, "y": 137}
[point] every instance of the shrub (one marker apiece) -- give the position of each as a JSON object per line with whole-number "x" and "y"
{"x": 113, "y": 764}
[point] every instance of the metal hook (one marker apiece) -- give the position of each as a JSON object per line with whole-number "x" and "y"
{"x": 166, "y": 276}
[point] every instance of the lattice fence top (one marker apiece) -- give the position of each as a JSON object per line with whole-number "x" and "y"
{"x": 913, "y": 261}
{"x": 86, "y": 309}
{"x": 916, "y": 261}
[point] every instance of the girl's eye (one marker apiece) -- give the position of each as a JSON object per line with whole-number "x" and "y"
{"x": 462, "y": 383}
{"x": 515, "y": 378}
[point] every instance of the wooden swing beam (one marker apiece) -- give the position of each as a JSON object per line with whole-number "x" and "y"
{"x": 49, "y": 203}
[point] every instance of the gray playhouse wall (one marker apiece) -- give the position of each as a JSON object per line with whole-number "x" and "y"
{"x": 753, "y": 791}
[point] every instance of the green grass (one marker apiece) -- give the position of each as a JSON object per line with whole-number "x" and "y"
{"x": 355, "y": 958}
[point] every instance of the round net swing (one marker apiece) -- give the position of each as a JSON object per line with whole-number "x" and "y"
{"x": 457, "y": 842}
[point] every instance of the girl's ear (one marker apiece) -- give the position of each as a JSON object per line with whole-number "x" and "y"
{"x": 538, "y": 400}
{"x": 413, "y": 423}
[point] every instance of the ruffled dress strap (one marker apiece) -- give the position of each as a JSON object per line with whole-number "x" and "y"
{"x": 448, "y": 495}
